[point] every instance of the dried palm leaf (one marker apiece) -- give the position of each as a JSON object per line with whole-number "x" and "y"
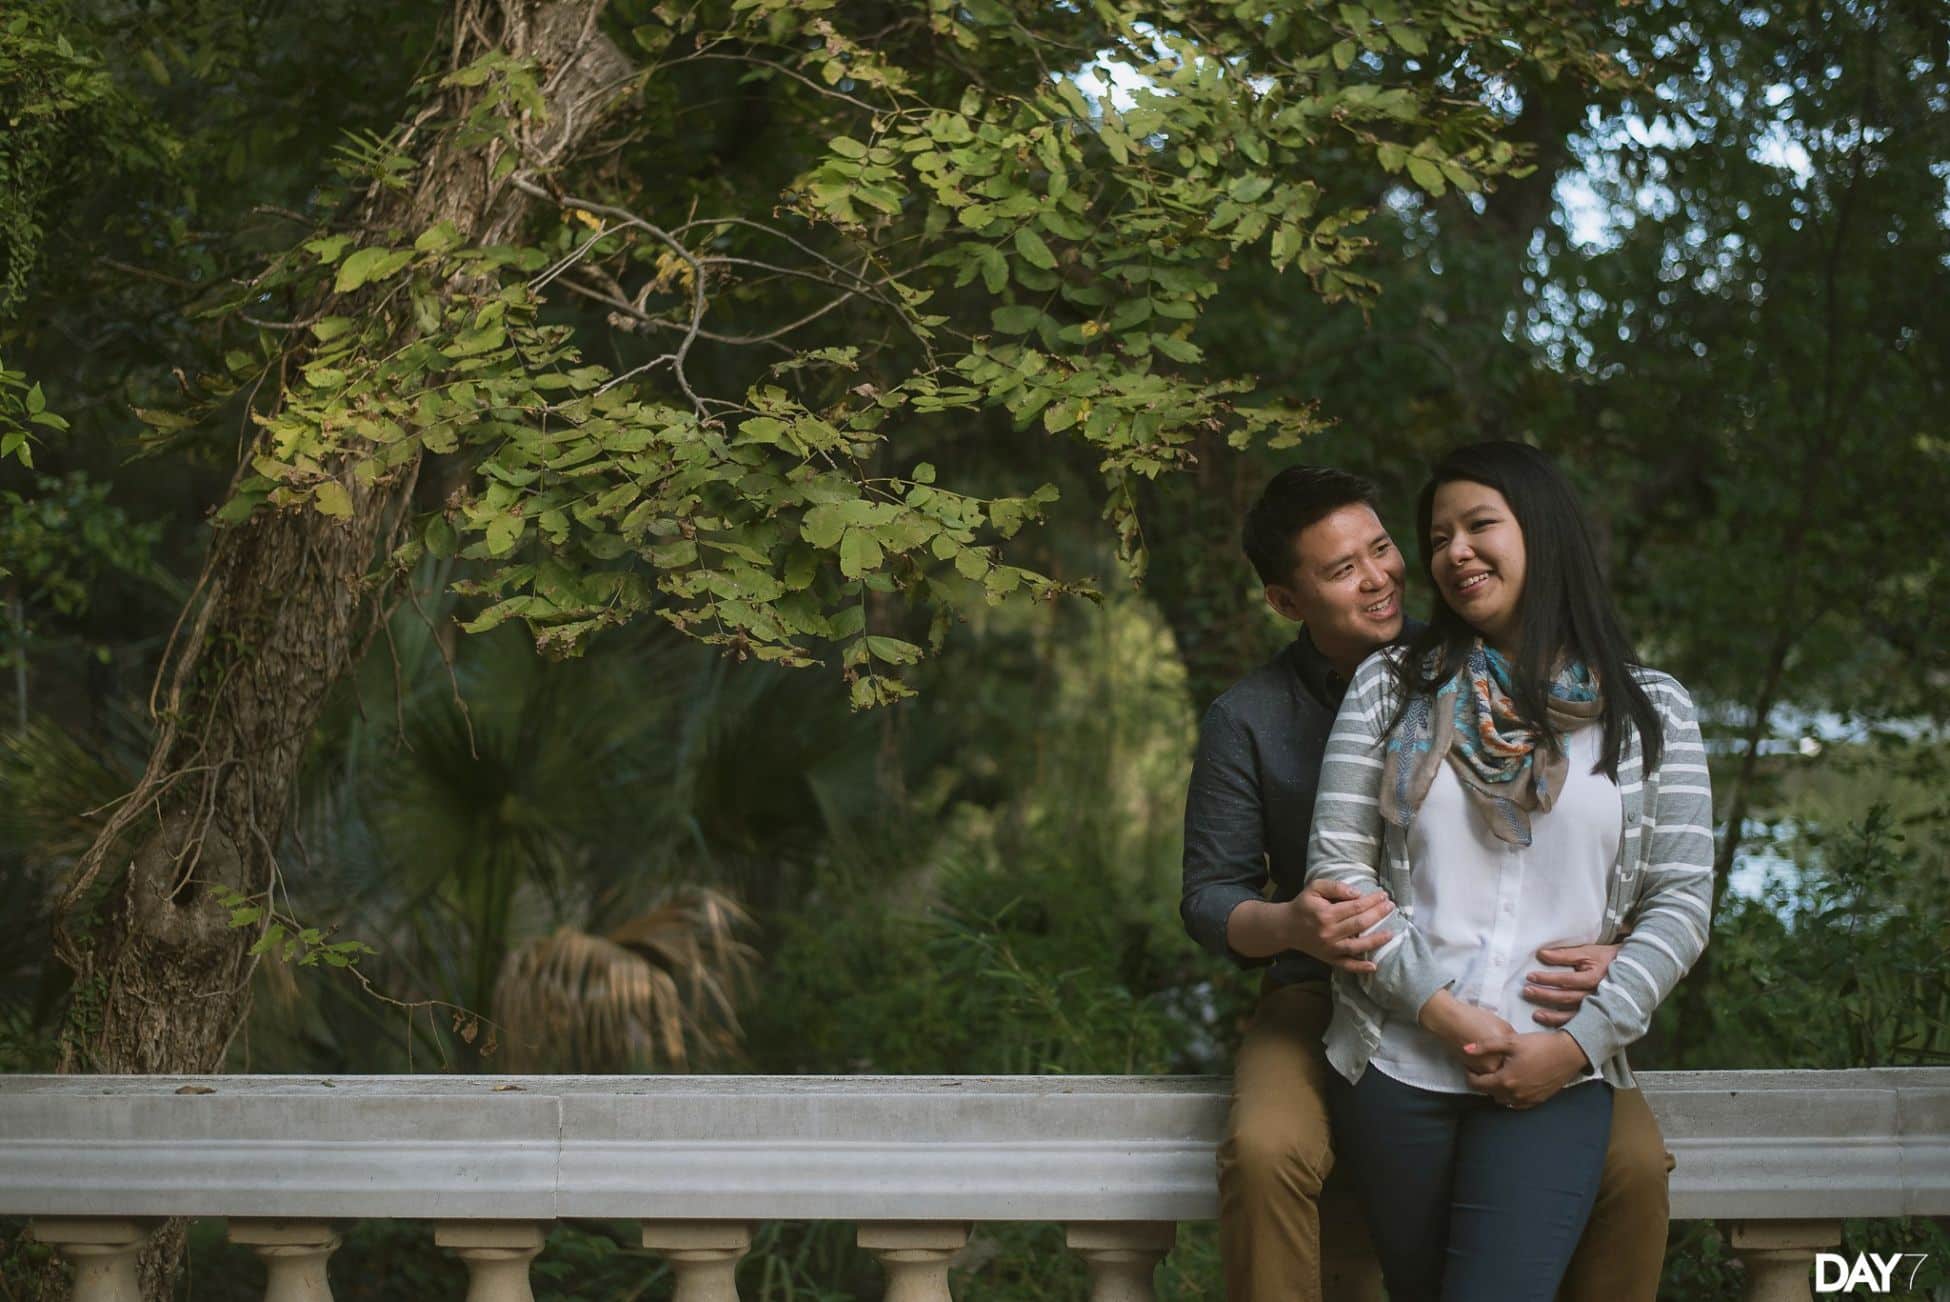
{"x": 661, "y": 989}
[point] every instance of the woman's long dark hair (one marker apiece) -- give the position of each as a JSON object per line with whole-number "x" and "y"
{"x": 1567, "y": 607}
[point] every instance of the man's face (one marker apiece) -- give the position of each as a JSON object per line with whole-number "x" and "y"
{"x": 1346, "y": 582}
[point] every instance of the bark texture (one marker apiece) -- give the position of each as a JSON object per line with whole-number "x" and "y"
{"x": 279, "y": 614}
{"x": 1199, "y": 577}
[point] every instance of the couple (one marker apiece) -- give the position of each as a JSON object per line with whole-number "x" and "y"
{"x": 1493, "y": 833}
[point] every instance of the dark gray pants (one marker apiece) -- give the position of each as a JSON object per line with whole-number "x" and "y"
{"x": 1467, "y": 1201}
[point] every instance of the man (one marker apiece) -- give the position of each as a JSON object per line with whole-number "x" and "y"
{"x": 1328, "y": 564}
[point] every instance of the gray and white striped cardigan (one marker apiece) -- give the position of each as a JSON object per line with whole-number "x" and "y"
{"x": 1662, "y": 879}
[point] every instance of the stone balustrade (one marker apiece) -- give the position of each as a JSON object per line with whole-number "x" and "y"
{"x": 915, "y": 1162}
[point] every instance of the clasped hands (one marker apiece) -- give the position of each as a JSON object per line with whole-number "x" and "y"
{"x": 1516, "y": 1070}
{"x": 1340, "y": 925}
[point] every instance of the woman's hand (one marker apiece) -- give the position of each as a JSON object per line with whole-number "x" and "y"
{"x": 1533, "y": 1067}
{"x": 1469, "y": 1030}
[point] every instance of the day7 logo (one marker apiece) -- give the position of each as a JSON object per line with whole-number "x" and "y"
{"x": 1870, "y": 1270}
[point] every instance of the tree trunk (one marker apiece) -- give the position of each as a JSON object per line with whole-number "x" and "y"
{"x": 281, "y": 611}
{"x": 1199, "y": 577}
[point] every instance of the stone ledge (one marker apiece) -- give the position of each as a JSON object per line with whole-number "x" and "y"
{"x": 1752, "y": 1145}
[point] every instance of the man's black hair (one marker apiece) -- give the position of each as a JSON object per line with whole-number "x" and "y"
{"x": 1293, "y": 499}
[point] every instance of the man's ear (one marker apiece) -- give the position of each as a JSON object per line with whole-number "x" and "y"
{"x": 1284, "y": 601}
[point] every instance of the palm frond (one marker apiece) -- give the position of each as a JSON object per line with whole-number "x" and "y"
{"x": 660, "y": 989}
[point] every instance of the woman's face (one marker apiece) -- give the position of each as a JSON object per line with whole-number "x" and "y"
{"x": 1476, "y": 557}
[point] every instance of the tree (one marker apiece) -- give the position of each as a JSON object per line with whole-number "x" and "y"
{"x": 943, "y": 236}
{"x": 1764, "y": 359}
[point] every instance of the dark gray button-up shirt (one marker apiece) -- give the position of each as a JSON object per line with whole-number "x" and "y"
{"x": 1250, "y": 807}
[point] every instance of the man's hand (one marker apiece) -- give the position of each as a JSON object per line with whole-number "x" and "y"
{"x": 1535, "y": 1066}
{"x": 1558, "y": 994}
{"x": 1327, "y": 920}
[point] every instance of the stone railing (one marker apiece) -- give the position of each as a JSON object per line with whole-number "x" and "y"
{"x": 490, "y": 1162}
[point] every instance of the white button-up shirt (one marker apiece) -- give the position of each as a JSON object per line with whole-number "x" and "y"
{"x": 1487, "y": 907}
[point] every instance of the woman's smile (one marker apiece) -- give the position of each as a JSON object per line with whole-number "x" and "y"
{"x": 1477, "y": 558}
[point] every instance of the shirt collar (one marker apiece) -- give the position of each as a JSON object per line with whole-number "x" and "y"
{"x": 1322, "y": 681}
{"x": 1317, "y": 674}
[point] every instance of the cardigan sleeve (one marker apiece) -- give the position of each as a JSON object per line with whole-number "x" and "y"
{"x": 1347, "y": 841}
{"x": 1675, "y": 893}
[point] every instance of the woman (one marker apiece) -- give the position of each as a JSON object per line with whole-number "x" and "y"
{"x": 1513, "y": 779}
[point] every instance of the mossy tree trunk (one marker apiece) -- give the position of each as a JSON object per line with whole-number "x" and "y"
{"x": 282, "y": 609}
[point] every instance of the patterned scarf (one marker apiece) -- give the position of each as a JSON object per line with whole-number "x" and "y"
{"x": 1472, "y": 722}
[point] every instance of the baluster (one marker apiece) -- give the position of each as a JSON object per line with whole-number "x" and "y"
{"x": 915, "y": 1255}
{"x": 1780, "y": 1256}
{"x": 497, "y": 1254}
{"x": 1122, "y": 1255}
{"x": 703, "y": 1254}
{"x": 294, "y": 1255}
{"x": 103, "y": 1252}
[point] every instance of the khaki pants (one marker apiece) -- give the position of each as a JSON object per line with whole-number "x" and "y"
{"x": 1276, "y": 1156}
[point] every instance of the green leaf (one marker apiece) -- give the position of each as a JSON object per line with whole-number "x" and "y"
{"x": 859, "y": 552}
{"x": 1459, "y": 176}
{"x": 1179, "y": 350}
{"x": 674, "y": 555}
{"x": 441, "y": 237}
{"x": 472, "y": 75}
{"x": 823, "y": 526}
{"x": 1426, "y": 174}
{"x": 238, "y": 509}
{"x": 328, "y": 247}
{"x": 1286, "y": 242}
{"x": 503, "y": 532}
{"x": 1030, "y": 245}
{"x": 36, "y": 401}
{"x": 892, "y": 650}
{"x": 331, "y": 499}
{"x": 1017, "y": 318}
{"x": 1248, "y": 189}
{"x": 848, "y": 622}
{"x": 1411, "y": 41}
{"x": 439, "y": 537}
{"x": 1059, "y": 416}
{"x": 367, "y": 265}
{"x": 1057, "y": 222}
{"x": 761, "y": 429}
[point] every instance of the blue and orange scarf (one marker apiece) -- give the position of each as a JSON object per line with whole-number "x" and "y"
{"x": 1507, "y": 770}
